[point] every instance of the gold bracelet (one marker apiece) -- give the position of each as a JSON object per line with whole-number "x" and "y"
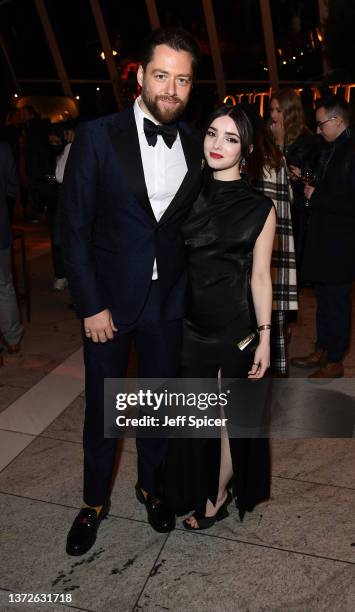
{"x": 262, "y": 327}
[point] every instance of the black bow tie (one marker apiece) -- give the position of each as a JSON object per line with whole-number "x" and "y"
{"x": 167, "y": 130}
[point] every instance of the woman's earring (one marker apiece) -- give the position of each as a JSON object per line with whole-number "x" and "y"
{"x": 242, "y": 164}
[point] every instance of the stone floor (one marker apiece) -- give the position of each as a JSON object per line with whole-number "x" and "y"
{"x": 295, "y": 552}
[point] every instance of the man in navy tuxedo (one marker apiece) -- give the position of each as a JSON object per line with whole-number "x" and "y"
{"x": 130, "y": 181}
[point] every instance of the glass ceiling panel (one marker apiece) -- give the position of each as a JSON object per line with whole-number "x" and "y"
{"x": 25, "y": 41}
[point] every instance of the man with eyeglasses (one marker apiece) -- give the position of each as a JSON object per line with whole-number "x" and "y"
{"x": 329, "y": 258}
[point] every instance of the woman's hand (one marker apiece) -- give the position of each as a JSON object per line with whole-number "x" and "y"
{"x": 261, "y": 360}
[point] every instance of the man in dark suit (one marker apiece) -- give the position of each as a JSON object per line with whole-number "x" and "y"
{"x": 11, "y": 328}
{"x": 329, "y": 257}
{"x": 130, "y": 181}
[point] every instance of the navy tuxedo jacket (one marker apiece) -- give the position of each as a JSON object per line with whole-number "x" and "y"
{"x": 109, "y": 233}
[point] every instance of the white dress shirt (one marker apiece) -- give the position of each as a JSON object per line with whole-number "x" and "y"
{"x": 61, "y": 163}
{"x": 164, "y": 169}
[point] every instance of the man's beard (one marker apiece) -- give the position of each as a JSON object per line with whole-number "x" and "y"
{"x": 163, "y": 115}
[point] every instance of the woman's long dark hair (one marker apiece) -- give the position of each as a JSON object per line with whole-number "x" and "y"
{"x": 242, "y": 122}
{"x": 265, "y": 153}
{"x": 252, "y": 131}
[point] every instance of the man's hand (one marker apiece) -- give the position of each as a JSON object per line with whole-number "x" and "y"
{"x": 100, "y": 327}
{"x": 308, "y": 190}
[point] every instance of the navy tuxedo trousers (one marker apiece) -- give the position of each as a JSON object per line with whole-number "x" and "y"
{"x": 157, "y": 345}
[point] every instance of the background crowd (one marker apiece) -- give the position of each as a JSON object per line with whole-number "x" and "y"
{"x": 296, "y": 154}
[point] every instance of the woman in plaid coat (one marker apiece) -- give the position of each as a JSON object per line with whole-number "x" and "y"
{"x": 266, "y": 169}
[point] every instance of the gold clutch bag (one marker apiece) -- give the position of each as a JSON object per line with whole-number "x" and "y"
{"x": 242, "y": 344}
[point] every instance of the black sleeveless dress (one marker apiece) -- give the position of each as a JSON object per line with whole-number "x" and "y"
{"x": 220, "y": 233}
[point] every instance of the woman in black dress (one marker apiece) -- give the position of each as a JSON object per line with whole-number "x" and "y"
{"x": 229, "y": 235}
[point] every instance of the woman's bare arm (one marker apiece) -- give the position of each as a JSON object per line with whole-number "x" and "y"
{"x": 261, "y": 288}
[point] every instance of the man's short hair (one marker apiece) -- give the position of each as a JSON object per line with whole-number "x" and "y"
{"x": 175, "y": 38}
{"x": 335, "y": 106}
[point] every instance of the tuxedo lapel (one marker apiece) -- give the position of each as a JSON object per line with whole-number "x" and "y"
{"x": 124, "y": 139}
{"x": 191, "y": 182}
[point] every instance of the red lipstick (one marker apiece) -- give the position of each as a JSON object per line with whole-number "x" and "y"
{"x": 216, "y": 155}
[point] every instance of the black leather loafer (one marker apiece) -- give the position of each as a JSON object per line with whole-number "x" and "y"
{"x": 82, "y": 534}
{"x": 159, "y": 516}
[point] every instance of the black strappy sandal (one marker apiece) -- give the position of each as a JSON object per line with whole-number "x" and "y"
{"x": 205, "y": 522}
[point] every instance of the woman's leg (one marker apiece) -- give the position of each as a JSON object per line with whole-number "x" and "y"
{"x": 250, "y": 456}
{"x": 234, "y": 365}
{"x": 225, "y": 475}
